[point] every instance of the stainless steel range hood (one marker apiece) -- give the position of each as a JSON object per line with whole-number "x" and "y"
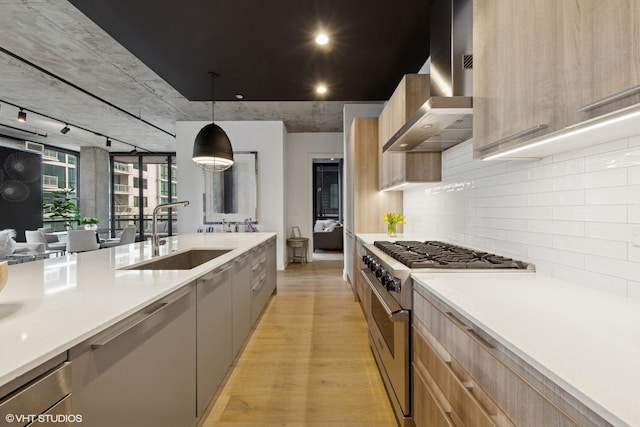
{"x": 445, "y": 119}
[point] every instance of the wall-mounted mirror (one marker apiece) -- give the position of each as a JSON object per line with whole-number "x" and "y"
{"x": 232, "y": 195}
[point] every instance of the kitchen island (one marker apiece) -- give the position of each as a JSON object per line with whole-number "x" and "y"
{"x": 48, "y": 307}
{"x": 586, "y": 342}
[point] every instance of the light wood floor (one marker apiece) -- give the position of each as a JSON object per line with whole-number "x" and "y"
{"x": 308, "y": 361}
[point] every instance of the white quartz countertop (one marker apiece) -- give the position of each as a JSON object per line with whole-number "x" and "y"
{"x": 49, "y": 306}
{"x": 586, "y": 341}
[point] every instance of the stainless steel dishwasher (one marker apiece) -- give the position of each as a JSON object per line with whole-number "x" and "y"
{"x": 44, "y": 401}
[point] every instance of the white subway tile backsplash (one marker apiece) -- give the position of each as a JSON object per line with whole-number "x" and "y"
{"x": 634, "y": 290}
{"x": 531, "y": 212}
{"x": 533, "y": 239}
{"x": 531, "y": 187}
{"x": 614, "y": 159}
{"x": 634, "y": 175}
{"x": 517, "y": 165}
{"x": 556, "y": 256}
{"x": 606, "y": 178}
{"x": 606, "y": 283}
{"x": 605, "y": 248}
{"x": 591, "y": 213}
{"x": 613, "y": 267}
{"x": 629, "y": 195}
{"x": 492, "y": 233}
{"x": 593, "y": 150}
{"x": 562, "y": 228}
{"x": 507, "y": 224}
{"x": 568, "y": 167}
{"x": 496, "y": 190}
{"x": 569, "y": 214}
{"x": 634, "y": 214}
{"x": 557, "y": 198}
{"x": 492, "y": 212}
{"x": 608, "y": 231}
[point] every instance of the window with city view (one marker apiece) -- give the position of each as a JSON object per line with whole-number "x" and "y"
{"x": 59, "y": 174}
{"x": 140, "y": 183}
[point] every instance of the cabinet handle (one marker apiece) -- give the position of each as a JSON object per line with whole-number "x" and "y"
{"x": 108, "y": 339}
{"x": 516, "y": 135}
{"x": 608, "y": 99}
{"x": 470, "y": 330}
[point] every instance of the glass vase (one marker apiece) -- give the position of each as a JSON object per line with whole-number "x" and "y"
{"x": 392, "y": 230}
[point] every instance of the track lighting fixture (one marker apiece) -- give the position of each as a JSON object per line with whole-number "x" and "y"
{"x": 22, "y": 117}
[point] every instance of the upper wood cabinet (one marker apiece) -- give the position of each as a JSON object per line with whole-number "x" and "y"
{"x": 608, "y": 55}
{"x": 515, "y": 64}
{"x": 369, "y": 204}
{"x": 539, "y": 65}
{"x": 397, "y": 168}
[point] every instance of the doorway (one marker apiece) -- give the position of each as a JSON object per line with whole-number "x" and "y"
{"x": 327, "y": 206}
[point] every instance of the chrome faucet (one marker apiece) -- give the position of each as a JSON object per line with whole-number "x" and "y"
{"x": 155, "y": 241}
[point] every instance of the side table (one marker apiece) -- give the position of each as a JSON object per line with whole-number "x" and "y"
{"x": 295, "y": 245}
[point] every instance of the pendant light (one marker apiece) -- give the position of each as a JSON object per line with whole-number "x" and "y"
{"x": 212, "y": 149}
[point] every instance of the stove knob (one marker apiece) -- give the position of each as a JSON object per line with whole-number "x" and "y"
{"x": 395, "y": 284}
{"x": 364, "y": 258}
{"x": 373, "y": 266}
{"x": 380, "y": 272}
{"x": 387, "y": 281}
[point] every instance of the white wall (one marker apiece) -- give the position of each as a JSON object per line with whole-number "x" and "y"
{"x": 570, "y": 214}
{"x": 265, "y": 137}
{"x": 301, "y": 149}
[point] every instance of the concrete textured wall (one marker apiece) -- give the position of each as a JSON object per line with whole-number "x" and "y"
{"x": 94, "y": 184}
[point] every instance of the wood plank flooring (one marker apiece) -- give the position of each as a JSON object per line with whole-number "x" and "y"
{"x": 308, "y": 361}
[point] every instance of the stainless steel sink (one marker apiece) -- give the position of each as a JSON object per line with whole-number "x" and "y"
{"x": 181, "y": 260}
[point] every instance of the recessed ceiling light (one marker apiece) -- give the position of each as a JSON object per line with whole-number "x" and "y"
{"x": 322, "y": 39}
{"x": 239, "y": 96}
{"x": 426, "y": 126}
{"x": 322, "y": 89}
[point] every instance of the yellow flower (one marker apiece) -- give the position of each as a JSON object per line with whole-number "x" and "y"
{"x": 393, "y": 218}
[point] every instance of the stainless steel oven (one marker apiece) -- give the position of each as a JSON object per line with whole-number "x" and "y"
{"x": 389, "y": 324}
{"x": 387, "y": 268}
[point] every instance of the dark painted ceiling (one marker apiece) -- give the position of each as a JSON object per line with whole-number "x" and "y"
{"x": 265, "y": 49}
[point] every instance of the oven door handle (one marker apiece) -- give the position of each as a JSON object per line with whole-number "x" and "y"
{"x": 395, "y": 312}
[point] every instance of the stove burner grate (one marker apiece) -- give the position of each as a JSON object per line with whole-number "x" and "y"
{"x": 435, "y": 254}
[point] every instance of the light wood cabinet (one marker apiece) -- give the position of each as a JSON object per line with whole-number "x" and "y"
{"x": 365, "y": 203}
{"x": 514, "y": 72}
{"x": 479, "y": 382}
{"x": 369, "y": 204}
{"x": 539, "y": 66}
{"x": 395, "y": 168}
{"x": 607, "y": 57}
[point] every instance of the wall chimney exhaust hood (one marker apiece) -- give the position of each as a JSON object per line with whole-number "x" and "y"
{"x": 445, "y": 119}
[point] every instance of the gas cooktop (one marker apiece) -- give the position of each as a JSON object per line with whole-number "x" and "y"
{"x": 434, "y": 254}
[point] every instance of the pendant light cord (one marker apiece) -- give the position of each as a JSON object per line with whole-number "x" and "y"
{"x": 214, "y": 76}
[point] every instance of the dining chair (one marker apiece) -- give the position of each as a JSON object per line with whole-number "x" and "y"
{"x": 50, "y": 240}
{"x": 128, "y": 236}
{"x": 82, "y": 241}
